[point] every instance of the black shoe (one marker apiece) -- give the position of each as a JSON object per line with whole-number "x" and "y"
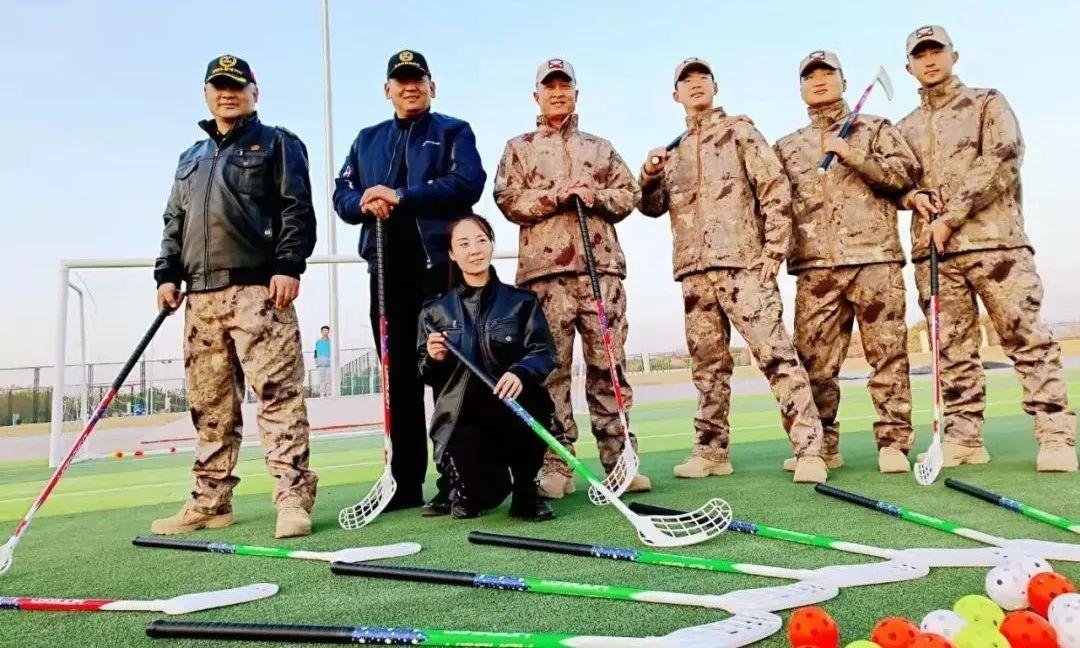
{"x": 398, "y": 503}
{"x": 531, "y": 509}
{"x": 462, "y": 510}
{"x": 438, "y": 506}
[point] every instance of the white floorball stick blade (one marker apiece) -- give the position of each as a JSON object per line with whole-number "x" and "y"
{"x": 949, "y": 557}
{"x": 362, "y": 513}
{"x": 220, "y": 598}
{"x": 740, "y": 630}
{"x": 364, "y": 554}
{"x": 782, "y": 597}
{"x": 889, "y": 571}
{"x": 618, "y": 480}
{"x": 1044, "y": 549}
{"x": 7, "y": 554}
{"x": 708, "y": 521}
{"x": 927, "y": 470}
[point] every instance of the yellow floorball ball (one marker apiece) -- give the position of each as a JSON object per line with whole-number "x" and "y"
{"x": 862, "y": 643}
{"x": 979, "y": 610}
{"x": 980, "y": 636}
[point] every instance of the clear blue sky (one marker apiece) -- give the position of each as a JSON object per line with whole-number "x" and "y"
{"x": 101, "y": 97}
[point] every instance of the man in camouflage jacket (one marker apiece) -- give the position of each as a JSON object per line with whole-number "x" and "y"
{"x": 848, "y": 259}
{"x": 541, "y": 176}
{"x": 730, "y": 205}
{"x": 969, "y": 145}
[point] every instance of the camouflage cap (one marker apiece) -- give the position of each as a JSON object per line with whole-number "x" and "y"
{"x": 819, "y": 57}
{"x": 690, "y": 64}
{"x": 555, "y": 66}
{"x": 928, "y": 33}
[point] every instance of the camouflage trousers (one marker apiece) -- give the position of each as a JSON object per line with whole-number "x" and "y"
{"x": 1010, "y": 289}
{"x": 827, "y": 303}
{"x": 229, "y": 334}
{"x": 715, "y": 301}
{"x": 568, "y": 304}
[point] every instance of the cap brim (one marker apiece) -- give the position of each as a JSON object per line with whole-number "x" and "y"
{"x": 232, "y": 77}
{"x": 563, "y": 73}
{"x": 924, "y": 41}
{"x": 813, "y": 65}
{"x": 694, "y": 67}
{"x": 407, "y": 70}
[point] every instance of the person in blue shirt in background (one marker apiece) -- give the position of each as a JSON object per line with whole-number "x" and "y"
{"x": 322, "y": 361}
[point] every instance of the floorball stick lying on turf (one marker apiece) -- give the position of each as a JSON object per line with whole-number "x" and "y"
{"x": 838, "y": 575}
{"x": 927, "y": 470}
{"x": 626, "y": 468}
{"x": 377, "y": 499}
{"x": 356, "y": 554}
{"x": 178, "y": 605}
{"x": 763, "y": 599}
{"x": 1038, "y": 548}
{"x": 739, "y": 630}
{"x": 929, "y": 556}
{"x": 1014, "y": 505}
{"x": 7, "y": 551}
{"x": 706, "y": 522}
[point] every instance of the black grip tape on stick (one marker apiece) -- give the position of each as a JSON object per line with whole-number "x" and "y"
{"x": 161, "y": 542}
{"x": 414, "y": 574}
{"x": 162, "y": 629}
{"x": 537, "y": 544}
{"x": 975, "y": 491}
{"x": 853, "y": 498}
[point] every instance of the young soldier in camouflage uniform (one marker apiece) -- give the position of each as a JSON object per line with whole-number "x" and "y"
{"x": 730, "y": 205}
{"x": 969, "y": 145}
{"x": 239, "y": 227}
{"x": 541, "y": 175}
{"x": 848, "y": 259}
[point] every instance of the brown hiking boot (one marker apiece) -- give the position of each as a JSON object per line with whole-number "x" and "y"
{"x": 956, "y": 455}
{"x": 292, "y": 522}
{"x": 639, "y": 484}
{"x": 890, "y": 460}
{"x": 832, "y": 461}
{"x": 1056, "y": 457}
{"x": 189, "y": 519}
{"x": 697, "y": 467}
{"x": 811, "y": 470}
{"x": 555, "y": 485}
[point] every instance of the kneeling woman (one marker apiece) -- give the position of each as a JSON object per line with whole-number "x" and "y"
{"x": 485, "y": 450}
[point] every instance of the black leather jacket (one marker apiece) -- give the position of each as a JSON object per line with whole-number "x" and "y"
{"x": 240, "y": 209}
{"x": 512, "y": 335}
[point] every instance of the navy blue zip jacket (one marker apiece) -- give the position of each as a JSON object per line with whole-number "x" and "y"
{"x": 445, "y": 178}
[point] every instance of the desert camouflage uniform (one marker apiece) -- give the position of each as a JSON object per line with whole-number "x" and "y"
{"x": 229, "y": 334}
{"x": 848, "y": 260}
{"x": 551, "y": 262}
{"x": 730, "y": 202}
{"x": 969, "y": 144}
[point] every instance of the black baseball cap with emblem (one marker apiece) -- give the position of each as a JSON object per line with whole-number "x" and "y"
{"x": 229, "y": 67}
{"x": 407, "y": 63}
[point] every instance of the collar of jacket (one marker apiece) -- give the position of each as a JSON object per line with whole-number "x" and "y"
{"x": 937, "y": 96}
{"x": 568, "y": 127}
{"x": 704, "y": 120}
{"x": 239, "y": 126}
{"x": 493, "y": 281}
{"x": 404, "y": 124}
{"x": 821, "y": 117}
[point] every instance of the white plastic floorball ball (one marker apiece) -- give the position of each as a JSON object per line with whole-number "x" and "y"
{"x": 944, "y": 622}
{"x": 1007, "y": 585}
{"x": 1030, "y": 565}
{"x": 1064, "y": 616}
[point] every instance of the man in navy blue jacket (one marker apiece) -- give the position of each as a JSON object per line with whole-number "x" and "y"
{"x": 418, "y": 171}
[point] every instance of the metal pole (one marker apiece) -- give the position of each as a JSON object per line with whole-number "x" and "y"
{"x": 331, "y": 219}
{"x": 57, "y": 419}
{"x": 83, "y": 387}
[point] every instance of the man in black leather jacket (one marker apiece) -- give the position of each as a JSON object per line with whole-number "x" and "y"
{"x": 239, "y": 226}
{"x": 418, "y": 171}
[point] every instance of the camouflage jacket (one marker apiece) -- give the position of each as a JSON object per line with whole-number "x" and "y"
{"x": 727, "y": 193}
{"x": 534, "y": 168}
{"x": 969, "y": 145}
{"x": 848, "y": 215}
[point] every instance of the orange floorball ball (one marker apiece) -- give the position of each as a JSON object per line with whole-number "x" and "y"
{"x": 1025, "y": 629}
{"x": 930, "y": 640}
{"x": 1044, "y": 587}
{"x": 812, "y": 627}
{"x": 894, "y": 632}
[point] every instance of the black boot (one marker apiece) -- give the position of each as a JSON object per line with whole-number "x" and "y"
{"x": 462, "y": 508}
{"x": 438, "y": 506}
{"x": 527, "y": 505}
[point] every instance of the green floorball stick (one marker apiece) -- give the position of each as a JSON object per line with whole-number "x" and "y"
{"x": 839, "y": 575}
{"x": 1038, "y": 548}
{"x": 1014, "y": 505}
{"x": 355, "y": 554}
{"x": 762, "y": 599}
{"x": 739, "y": 630}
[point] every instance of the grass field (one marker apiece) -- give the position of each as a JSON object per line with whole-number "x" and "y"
{"x": 80, "y": 544}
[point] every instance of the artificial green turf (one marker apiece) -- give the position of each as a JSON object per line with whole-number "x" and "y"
{"x": 80, "y": 544}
